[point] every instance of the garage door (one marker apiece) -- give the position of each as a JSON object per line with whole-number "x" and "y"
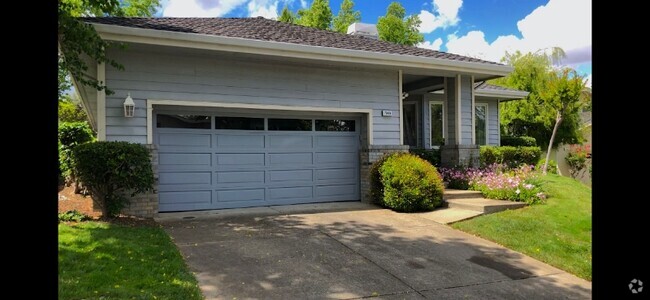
{"x": 213, "y": 162}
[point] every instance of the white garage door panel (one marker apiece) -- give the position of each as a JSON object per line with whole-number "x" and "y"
{"x": 212, "y": 169}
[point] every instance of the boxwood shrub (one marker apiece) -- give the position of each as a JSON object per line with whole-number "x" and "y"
{"x": 510, "y": 156}
{"x": 71, "y": 134}
{"x": 110, "y": 170}
{"x": 516, "y": 141}
{"x": 410, "y": 183}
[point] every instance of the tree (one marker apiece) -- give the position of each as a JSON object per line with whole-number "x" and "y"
{"x": 562, "y": 94}
{"x": 70, "y": 110}
{"x": 319, "y": 15}
{"x": 287, "y": 16}
{"x": 397, "y": 28}
{"x": 78, "y": 39}
{"x": 346, "y": 16}
{"x": 530, "y": 116}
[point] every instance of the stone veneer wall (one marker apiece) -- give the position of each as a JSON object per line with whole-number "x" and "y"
{"x": 146, "y": 205}
{"x": 367, "y": 157}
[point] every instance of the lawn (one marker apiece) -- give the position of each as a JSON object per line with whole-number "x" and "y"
{"x": 558, "y": 232}
{"x": 105, "y": 261}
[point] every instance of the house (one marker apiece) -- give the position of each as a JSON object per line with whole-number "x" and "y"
{"x": 243, "y": 112}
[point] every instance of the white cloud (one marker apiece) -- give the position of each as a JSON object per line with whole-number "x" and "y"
{"x": 263, "y": 8}
{"x": 560, "y": 23}
{"x": 443, "y": 15}
{"x": 435, "y": 45}
{"x": 303, "y": 3}
{"x": 200, "y": 8}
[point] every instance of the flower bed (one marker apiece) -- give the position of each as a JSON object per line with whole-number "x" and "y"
{"x": 497, "y": 182}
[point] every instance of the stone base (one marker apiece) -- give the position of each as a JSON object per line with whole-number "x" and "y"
{"x": 146, "y": 205}
{"x": 459, "y": 155}
{"x": 367, "y": 157}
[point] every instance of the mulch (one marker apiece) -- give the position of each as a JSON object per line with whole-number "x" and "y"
{"x": 68, "y": 200}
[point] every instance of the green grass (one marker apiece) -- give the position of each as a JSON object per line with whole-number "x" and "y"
{"x": 105, "y": 261}
{"x": 558, "y": 232}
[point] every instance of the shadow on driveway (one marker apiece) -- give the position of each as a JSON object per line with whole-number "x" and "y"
{"x": 356, "y": 254}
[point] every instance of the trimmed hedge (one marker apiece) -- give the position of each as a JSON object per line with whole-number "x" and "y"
{"x": 376, "y": 187}
{"x": 410, "y": 183}
{"x": 430, "y": 155}
{"x": 511, "y": 156}
{"x": 110, "y": 169}
{"x": 518, "y": 141}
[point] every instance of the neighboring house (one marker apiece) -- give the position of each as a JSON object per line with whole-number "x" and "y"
{"x": 242, "y": 112}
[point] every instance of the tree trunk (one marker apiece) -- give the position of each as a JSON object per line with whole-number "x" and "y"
{"x": 558, "y": 121}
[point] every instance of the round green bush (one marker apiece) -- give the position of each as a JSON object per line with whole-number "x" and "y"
{"x": 410, "y": 183}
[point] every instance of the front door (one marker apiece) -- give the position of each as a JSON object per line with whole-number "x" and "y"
{"x": 410, "y": 123}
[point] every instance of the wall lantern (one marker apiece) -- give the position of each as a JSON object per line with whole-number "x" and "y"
{"x": 129, "y": 106}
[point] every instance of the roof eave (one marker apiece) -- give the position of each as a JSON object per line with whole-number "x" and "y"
{"x": 231, "y": 44}
{"x": 502, "y": 95}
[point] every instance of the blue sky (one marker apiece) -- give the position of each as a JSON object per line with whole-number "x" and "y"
{"x": 477, "y": 28}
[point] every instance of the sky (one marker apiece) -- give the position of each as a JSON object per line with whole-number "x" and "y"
{"x": 478, "y": 28}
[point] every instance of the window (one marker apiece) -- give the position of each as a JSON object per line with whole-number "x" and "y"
{"x": 437, "y": 114}
{"x": 239, "y": 123}
{"x": 290, "y": 124}
{"x": 480, "y": 129}
{"x": 183, "y": 121}
{"x": 334, "y": 125}
{"x": 410, "y": 123}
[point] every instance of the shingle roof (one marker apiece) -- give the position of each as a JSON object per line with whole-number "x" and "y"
{"x": 486, "y": 86}
{"x": 270, "y": 30}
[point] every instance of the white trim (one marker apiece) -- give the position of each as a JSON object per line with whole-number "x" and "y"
{"x": 501, "y": 94}
{"x": 487, "y": 113}
{"x": 459, "y": 112}
{"x": 152, "y": 102}
{"x": 444, "y": 122}
{"x": 401, "y": 108}
{"x": 101, "y": 103}
{"x": 232, "y": 44}
{"x": 473, "y": 115}
{"x": 84, "y": 104}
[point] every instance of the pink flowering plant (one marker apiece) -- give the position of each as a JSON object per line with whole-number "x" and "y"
{"x": 496, "y": 182}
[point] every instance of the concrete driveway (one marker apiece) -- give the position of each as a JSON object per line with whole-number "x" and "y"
{"x": 354, "y": 250}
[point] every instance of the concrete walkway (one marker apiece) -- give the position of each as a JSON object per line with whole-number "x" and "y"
{"x": 462, "y": 205}
{"x": 351, "y": 251}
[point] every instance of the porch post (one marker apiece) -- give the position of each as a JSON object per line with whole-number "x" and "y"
{"x": 460, "y": 149}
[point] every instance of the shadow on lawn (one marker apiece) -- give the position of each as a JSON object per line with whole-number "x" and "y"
{"x": 356, "y": 254}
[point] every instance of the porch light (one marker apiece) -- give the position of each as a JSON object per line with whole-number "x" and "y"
{"x": 129, "y": 106}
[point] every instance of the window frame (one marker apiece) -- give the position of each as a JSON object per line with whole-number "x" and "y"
{"x": 444, "y": 122}
{"x": 486, "y": 123}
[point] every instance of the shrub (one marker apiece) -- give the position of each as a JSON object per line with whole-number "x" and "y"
{"x": 552, "y": 166}
{"x": 376, "y": 187}
{"x": 511, "y": 156}
{"x": 71, "y": 134}
{"x": 577, "y": 159}
{"x": 73, "y": 216}
{"x": 516, "y": 141}
{"x": 410, "y": 183}
{"x": 430, "y": 155}
{"x": 109, "y": 169}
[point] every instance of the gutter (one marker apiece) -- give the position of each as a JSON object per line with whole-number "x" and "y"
{"x": 503, "y": 94}
{"x": 231, "y": 44}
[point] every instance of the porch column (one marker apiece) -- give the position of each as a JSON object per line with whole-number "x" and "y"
{"x": 460, "y": 148}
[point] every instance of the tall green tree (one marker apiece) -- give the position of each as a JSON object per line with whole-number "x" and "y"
{"x": 397, "y": 28}
{"x": 287, "y": 16}
{"x": 78, "y": 39}
{"x": 346, "y": 16}
{"x": 318, "y": 15}
{"x": 531, "y": 116}
{"x": 70, "y": 110}
{"x": 562, "y": 93}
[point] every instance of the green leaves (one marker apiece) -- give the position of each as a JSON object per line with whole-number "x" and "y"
{"x": 394, "y": 28}
{"x": 319, "y": 15}
{"x": 346, "y": 16}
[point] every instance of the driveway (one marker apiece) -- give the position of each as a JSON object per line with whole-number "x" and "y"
{"x": 354, "y": 250}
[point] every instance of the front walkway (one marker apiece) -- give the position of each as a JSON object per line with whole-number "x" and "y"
{"x": 353, "y": 250}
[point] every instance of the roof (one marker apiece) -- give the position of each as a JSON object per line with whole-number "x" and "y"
{"x": 262, "y": 29}
{"x": 490, "y": 90}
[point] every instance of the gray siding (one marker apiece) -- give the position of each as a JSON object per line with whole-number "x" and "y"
{"x": 450, "y": 92}
{"x": 494, "y": 137}
{"x": 466, "y": 109}
{"x": 196, "y": 77}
